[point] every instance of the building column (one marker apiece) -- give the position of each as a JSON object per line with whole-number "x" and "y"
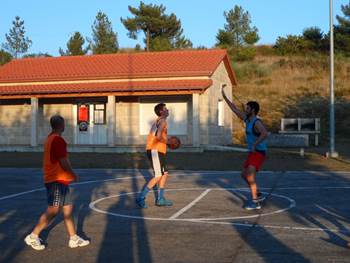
{"x": 34, "y": 121}
{"x": 111, "y": 120}
{"x": 195, "y": 120}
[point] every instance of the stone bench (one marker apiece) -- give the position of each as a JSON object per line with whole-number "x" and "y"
{"x": 289, "y": 141}
{"x": 301, "y": 126}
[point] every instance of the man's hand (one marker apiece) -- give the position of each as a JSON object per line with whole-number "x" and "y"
{"x": 65, "y": 164}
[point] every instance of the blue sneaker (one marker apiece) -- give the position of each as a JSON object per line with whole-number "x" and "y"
{"x": 141, "y": 202}
{"x": 164, "y": 202}
{"x": 261, "y": 197}
{"x": 252, "y": 205}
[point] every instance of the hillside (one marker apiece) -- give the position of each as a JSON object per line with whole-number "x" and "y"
{"x": 294, "y": 87}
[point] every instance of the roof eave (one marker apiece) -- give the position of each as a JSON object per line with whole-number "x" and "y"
{"x": 103, "y": 94}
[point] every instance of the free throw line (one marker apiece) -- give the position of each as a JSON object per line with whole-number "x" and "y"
{"x": 183, "y": 210}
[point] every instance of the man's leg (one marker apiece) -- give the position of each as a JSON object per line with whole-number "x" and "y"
{"x": 243, "y": 176}
{"x": 162, "y": 201}
{"x": 140, "y": 200}
{"x": 45, "y": 219}
{"x": 74, "y": 239}
{"x": 153, "y": 157}
{"x": 163, "y": 180}
{"x": 68, "y": 220}
{"x": 250, "y": 179}
{"x": 154, "y": 181}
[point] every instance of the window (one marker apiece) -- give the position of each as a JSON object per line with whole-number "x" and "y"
{"x": 99, "y": 114}
{"x": 221, "y": 110}
{"x": 177, "y": 120}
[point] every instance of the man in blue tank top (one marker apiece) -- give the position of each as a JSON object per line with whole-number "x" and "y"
{"x": 256, "y": 134}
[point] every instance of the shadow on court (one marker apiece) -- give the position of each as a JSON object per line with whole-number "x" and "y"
{"x": 326, "y": 209}
{"x": 267, "y": 247}
{"x": 125, "y": 240}
{"x": 15, "y": 222}
{"x": 111, "y": 238}
{"x": 118, "y": 239}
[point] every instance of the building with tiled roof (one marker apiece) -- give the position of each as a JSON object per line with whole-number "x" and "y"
{"x": 108, "y": 100}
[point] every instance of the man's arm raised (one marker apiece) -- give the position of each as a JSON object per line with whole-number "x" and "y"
{"x": 232, "y": 106}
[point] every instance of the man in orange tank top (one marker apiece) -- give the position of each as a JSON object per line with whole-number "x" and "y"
{"x": 58, "y": 174}
{"x": 156, "y": 147}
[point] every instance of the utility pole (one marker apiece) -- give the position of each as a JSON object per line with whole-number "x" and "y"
{"x": 332, "y": 153}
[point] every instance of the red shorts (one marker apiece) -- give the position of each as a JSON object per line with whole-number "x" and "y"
{"x": 255, "y": 159}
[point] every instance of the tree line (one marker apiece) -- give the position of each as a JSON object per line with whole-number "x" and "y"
{"x": 162, "y": 31}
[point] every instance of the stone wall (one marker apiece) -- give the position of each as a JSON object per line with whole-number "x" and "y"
{"x": 127, "y": 124}
{"x": 128, "y": 120}
{"x": 44, "y": 115}
{"x": 15, "y": 124}
{"x": 210, "y": 131}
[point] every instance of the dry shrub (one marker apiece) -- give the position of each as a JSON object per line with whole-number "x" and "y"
{"x": 295, "y": 87}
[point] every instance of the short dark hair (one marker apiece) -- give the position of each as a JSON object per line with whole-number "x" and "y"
{"x": 254, "y": 106}
{"x": 158, "y": 108}
{"x": 56, "y": 122}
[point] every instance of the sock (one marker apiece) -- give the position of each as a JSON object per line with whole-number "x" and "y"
{"x": 156, "y": 192}
{"x": 161, "y": 193}
{"x": 32, "y": 235}
{"x": 144, "y": 192}
{"x": 75, "y": 237}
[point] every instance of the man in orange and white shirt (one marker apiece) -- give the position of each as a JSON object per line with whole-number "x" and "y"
{"x": 58, "y": 174}
{"x": 156, "y": 147}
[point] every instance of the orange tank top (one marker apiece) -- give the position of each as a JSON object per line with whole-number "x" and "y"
{"x": 53, "y": 171}
{"x": 152, "y": 142}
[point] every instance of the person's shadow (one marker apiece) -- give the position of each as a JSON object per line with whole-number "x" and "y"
{"x": 125, "y": 239}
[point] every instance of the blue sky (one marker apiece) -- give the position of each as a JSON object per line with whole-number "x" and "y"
{"x": 49, "y": 24}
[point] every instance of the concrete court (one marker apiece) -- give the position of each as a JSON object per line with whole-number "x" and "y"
{"x": 306, "y": 218}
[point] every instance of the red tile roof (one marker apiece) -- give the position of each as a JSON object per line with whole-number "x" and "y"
{"x": 115, "y": 87}
{"x": 191, "y": 63}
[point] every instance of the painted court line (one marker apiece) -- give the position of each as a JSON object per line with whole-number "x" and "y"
{"x": 93, "y": 204}
{"x": 21, "y": 193}
{"x": 183, "y": 210}
{"x": 318, "y": 229}
{"x": 204, "y": 220}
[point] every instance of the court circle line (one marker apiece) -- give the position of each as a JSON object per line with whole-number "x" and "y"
{"x": 12, "y": 196}
{"x": 92, "y": 206}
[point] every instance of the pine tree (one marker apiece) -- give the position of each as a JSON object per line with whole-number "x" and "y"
{"x": 342, "y": 30}
{"x": 104, "y": 40}
{"x": 74, "y": 46}
{"x": 4, "y": 57}
{"x": 162, "y": 31}
{"x": 16, "y": 41}
{"x": 37, "y": 55}
{"x": 237, "y": 31}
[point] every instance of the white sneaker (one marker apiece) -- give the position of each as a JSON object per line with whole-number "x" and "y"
{"x": 78, "y": 242}
{"x": 34, "y": 242}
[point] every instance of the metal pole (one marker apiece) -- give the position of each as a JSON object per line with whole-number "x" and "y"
{"x": 332, "y": 152}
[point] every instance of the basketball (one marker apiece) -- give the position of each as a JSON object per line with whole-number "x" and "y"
{"x": 174, "y": 143}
